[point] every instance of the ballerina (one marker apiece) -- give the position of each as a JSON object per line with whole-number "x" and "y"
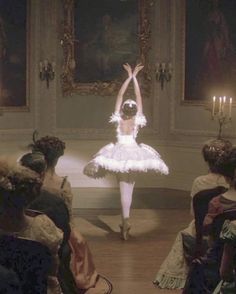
{"x": 126, "y": 157}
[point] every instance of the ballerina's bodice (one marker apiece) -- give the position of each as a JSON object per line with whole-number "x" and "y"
{"x": 126, "y": 132}
{"x": 128, "y": 135}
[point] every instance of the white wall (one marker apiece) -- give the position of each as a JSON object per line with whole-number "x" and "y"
{"x": 176, "y": 130}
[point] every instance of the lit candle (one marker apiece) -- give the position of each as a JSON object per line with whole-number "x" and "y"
{"x": 213, "y": 105}
{"x": 45, "y": 64}
{"x": 230, "y": 107}
{"x": 223, "y": 104}
{"x": 220, "y": 105}
{"x": 53, "y": 66}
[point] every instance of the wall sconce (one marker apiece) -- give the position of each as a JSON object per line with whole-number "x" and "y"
{"x": 46, "y": 71}
{"x": 163, "y": 72}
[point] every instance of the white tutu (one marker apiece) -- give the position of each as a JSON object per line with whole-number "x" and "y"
{"x": 128, "y": 156}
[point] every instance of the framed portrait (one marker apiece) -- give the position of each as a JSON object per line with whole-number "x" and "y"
{"x": 98, "y": 38}
{"x": 13, "y": 55}
{"x": 210, "y": 49}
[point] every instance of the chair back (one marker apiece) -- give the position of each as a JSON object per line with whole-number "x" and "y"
{"x": 200, "y": 207}
{"x": 30, "y": 260}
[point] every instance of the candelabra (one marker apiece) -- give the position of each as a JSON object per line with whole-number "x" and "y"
{"x": 46, "y": 71}
{"x": 163, "y": 73}
{"x": 222, "y": 110}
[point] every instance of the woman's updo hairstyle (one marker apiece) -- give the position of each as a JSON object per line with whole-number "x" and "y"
{"x": 51, "y": 147}
{"x": 129, "y": 108}
{"x": 18, "y": 185}
{"x": 35, "y": 161}
{"x": 227, "y": 165}
{"x": 213, "y": 150}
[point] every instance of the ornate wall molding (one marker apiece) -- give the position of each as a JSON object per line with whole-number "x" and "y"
{"x": 177, "y": 49}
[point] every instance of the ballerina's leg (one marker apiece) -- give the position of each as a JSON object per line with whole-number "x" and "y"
{"x": 126, "y": 184}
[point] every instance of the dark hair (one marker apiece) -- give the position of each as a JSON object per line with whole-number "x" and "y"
{"x": 129, "y": 109}
{"x": 214, "y": 149}
{"x": 51, "y": 147}
{"x": 34, "y": 161}
{"x": 227, "y": 165}
{"x": 18, "y": 185}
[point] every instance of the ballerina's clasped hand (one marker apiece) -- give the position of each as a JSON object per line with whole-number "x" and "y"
{"x": 136, "y": 70}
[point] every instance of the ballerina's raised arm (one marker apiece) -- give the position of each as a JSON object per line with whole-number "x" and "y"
{"x": 138, "y": 96}
{"x": 123, "y": 88}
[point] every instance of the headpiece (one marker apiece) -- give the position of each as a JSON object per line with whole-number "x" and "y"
{"x": 129, "y": 107}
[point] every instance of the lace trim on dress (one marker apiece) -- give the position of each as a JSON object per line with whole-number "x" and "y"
{"x": 228, "y": 232}
{"x": 165, "y": 281}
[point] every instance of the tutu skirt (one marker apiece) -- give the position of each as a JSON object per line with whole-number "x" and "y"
{"x": 125, "y": 156}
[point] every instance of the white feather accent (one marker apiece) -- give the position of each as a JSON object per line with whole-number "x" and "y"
{"x": 140, "y": 120}
{"x": 128, "y": 156}
{"x": 115, "y": 117}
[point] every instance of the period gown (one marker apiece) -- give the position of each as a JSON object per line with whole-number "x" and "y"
{"x": 40, "y": 228}
{"x": 173, "y": 271}
{"x": 228, "y": 235}
{"x": 81, "y": 260}
{"x": 204, "y": 275}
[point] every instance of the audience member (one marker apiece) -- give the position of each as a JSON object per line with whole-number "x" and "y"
{"x": 18, "y": 187}
{"x": 174, "y": 270}
{"x": 204, "y": 274}
{"x": 55, "y": 208}
{"x": 228, "y": 261}
{"x": 49, "y": 203}
{"x": 81, "y": 263}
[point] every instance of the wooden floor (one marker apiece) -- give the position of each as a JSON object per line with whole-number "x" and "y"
{"x": 132, "y": 265}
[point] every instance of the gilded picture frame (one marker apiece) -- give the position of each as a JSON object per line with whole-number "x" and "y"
{"x": 210, "y": 43}
{"x": 93, "y": 58}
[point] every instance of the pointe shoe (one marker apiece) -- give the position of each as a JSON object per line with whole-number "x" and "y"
{"x": 124, "y": 229}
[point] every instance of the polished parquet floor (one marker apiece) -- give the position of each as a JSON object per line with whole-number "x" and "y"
{"x": 132, "y": 265}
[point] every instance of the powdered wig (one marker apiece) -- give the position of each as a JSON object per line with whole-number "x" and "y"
{"x": 51, "y": 147}
{"x": 35, "y": 161}
{"x": 213, "y": 151}
{"x": 129, "y": 108}
{"x": 18, "y": 185}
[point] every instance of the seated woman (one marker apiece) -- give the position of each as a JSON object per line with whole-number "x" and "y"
{"x": 81, "y": 263}
{"x": 228, "y": 261}
{"x": 49, "y": 203}
{"x": 18, "y": 186}
{"x": 55, "y": 208}
{"x": 204, "y": 274}
{"x": 174, "y": 270}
